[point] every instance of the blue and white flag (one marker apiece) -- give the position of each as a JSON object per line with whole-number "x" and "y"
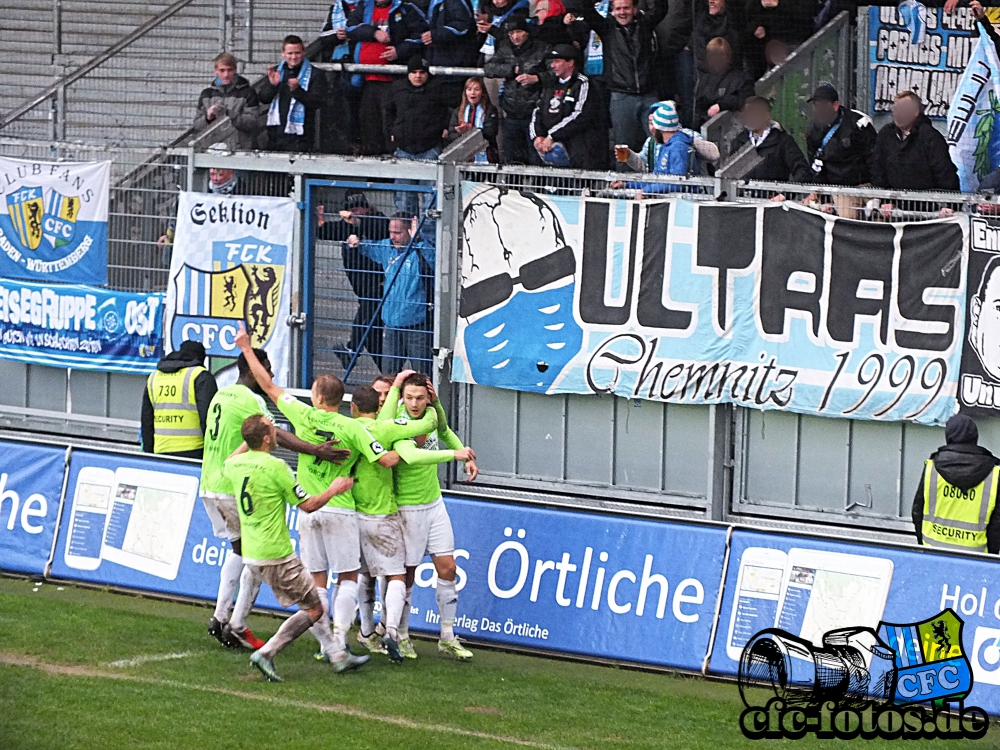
{"x": 973, "y": 131}
{"x": 81, "y": 327}
{"x": 55, "y": 227}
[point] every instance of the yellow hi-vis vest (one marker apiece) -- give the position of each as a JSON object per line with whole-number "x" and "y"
{"x": 954, "y": 518}
{"x": 176, "y": 424}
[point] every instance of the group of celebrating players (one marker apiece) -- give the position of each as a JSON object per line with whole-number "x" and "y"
{"x": 368, "y": 513}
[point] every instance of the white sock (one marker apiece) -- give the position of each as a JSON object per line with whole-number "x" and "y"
{"x": 366, "y": 603}
{"x": 343, "y": 613}
{"x": 392, "y": 608}
{"x": 321, "y": 628}
{"x": 447, "y": 601}
{"x": 229, "y": 581}
{"x": 290, "y": 629}
{"x": 404, "y": 617}
{"x": 250, "y": 582}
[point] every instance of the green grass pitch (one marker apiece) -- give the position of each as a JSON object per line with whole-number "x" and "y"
{"x": 72, "y": 675}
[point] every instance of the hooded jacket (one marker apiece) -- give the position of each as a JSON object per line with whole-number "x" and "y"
{"x": 205, "y": 388}
{"x": 508, "y": 63}
{"x": 920, "y": 161}
{"x": 629, "y": 51}
{"x": 963, "y": 465}
{"x": 846, "y": 155}
{"x": 783, "y": 159}
{"x": 240, "y": 103}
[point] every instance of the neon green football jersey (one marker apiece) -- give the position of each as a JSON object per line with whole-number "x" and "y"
{"x": 230, "y": 406}
{"x": 373, "y": 483}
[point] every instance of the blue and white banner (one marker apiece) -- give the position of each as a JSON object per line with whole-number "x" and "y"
{"x": 771, "y": 306}
{"x": 81, "y": 327}
{"x": 973, "y": 135}
{"x": 580, "y": 583}
{"x": 30, "y": 487}
{"x": 230, "y": 264}
{"x": 810, "y": 586}
{"x": 139, "y": 523}
{"x": 55, "y": 227}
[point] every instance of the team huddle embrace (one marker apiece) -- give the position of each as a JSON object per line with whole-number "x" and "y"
{"x": 370, "y": 509}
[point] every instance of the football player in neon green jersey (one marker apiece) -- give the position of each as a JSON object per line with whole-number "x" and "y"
{"x": 328, "y": 539}
{"x": 226, "y": 412}
{"x": 265, "y": 485}
{"x": 427, "y": 528}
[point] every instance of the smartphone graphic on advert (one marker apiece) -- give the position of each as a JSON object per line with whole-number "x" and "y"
{"x": 89, "y": 517}
{"x": 758, "y": 589}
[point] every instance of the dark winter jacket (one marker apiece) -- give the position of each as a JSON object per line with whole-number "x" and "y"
{"x": 791, "y": 21}
{"x": 783, "y": 159}
{"x": 312, "y": 99}
{"x": 846, "y": 155}
{"x": 490, "y": 129}
{"x": 508, "y": 63}
{"x": 920, "y": 161}
{"x": 567, "y": 113}
{"x": 705, "y": 27}
{"x": 406, "y": 24}
{"x": 204, "y": 391}
{"x": 629, "y": 52}
{"x": 455, "y": 41}
{"x": 418, "y": 115}
{"x": 729, "y": 90}
{"x": 964, "y": 466}
{"x": 240, "y": 104}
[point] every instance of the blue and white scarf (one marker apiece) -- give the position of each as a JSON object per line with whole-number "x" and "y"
{"x": 296, "y": 124}
{"x": 477, "y": 121}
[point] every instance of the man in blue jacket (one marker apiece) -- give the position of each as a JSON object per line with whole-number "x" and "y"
{"x": 409, "y": 274}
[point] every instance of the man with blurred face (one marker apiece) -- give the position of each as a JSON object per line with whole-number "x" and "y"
{"x": 910, "y": 153}
{"x": 839, "y": 141}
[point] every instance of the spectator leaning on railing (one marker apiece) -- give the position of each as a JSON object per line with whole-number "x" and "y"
{"x": 231, "y": 95}
{"x": 782, "y": 160}
{"x": 839, "y": 141}
{"x": 418, "y": 113}
{"x": 909, "y": 153}
{"x": 475, "y": 111}
{"x": 294, "y": 90}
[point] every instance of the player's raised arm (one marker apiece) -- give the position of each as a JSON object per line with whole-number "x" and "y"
{"x": 260, "y": 373}
{"x": 391, "y": 405}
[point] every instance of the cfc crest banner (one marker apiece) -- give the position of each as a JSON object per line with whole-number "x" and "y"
{"x": 54, "y": 221}
{"x": 766, "y": 306}
{"x": 230, "y": 265}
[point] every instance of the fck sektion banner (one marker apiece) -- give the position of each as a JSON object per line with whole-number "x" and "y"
{"x": 230, "y": 265}
{"x": 766, "y": 306}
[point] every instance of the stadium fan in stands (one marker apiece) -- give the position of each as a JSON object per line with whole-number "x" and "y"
{"x": 491, "y": 23}
{"x": 713, "y": 19}
{"x": 553, "y": 25}
{"x": 451, "y": 41}
{"x": 384, "y": 32}
{"x": 231, "y": 95}
{"x": 476, "y": 111}
{"x": 781, "y": 158}
{"x": 910, "y": 153}
{"x": 408, "y": 269}
{"x": 721, "y": 87}
{"x": 418, "y": 113}
{"x": 358, "y": 220}
{"x": 520, "y": 61}
{"x": 563, "y": 126}
{"x": 343, "y": 99}
{"x": 629, "y": 56}
{"x": 787, "y": 21}
{"x": 294, "y": 91}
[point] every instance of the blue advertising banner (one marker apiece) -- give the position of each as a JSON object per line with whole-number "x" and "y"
{"x": 927, "y": 55}
{"x": 771, "y": 306}
{"x": 580, "y": 583}
{"x": 31, "y": 479}
{"x": 810, "y": 586}
{"x": 55, "y": 227}
{"x": 81, "y": 327}
{"x": 138, "y": 523}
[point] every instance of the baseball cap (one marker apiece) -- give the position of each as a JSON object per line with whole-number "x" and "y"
{"x": 417, "y": 63}
{"x": 563, "y": 52}
{"x": 355, "y": 199}
{"x": 825, "y": 92}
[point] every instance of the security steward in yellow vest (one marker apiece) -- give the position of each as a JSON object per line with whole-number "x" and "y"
{"x": 175, "y": 403}
{"x": 955, "y": 505}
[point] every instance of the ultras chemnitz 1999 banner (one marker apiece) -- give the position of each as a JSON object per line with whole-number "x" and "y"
{"x": 767, "y": 306}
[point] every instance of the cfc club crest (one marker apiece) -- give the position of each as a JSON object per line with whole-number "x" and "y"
{"x": 42, "y": 216}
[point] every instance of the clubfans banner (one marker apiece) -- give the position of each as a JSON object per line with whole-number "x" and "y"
{"x": 925, "y": 53}
{"x": 81, "y": 327}
{"x": 230, "y": 264}
{"x": 973, "y": 133}
{"x": 31, "y": 478}
{"x": 766, "y": 306}
{"x": 55, "y": 228}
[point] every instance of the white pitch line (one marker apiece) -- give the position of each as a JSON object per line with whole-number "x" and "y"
{"x": 145, "y": 659}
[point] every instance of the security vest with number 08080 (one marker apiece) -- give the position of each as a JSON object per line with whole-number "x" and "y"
{"x": 955, "y": 518}
{"x": 176, "y": 424}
